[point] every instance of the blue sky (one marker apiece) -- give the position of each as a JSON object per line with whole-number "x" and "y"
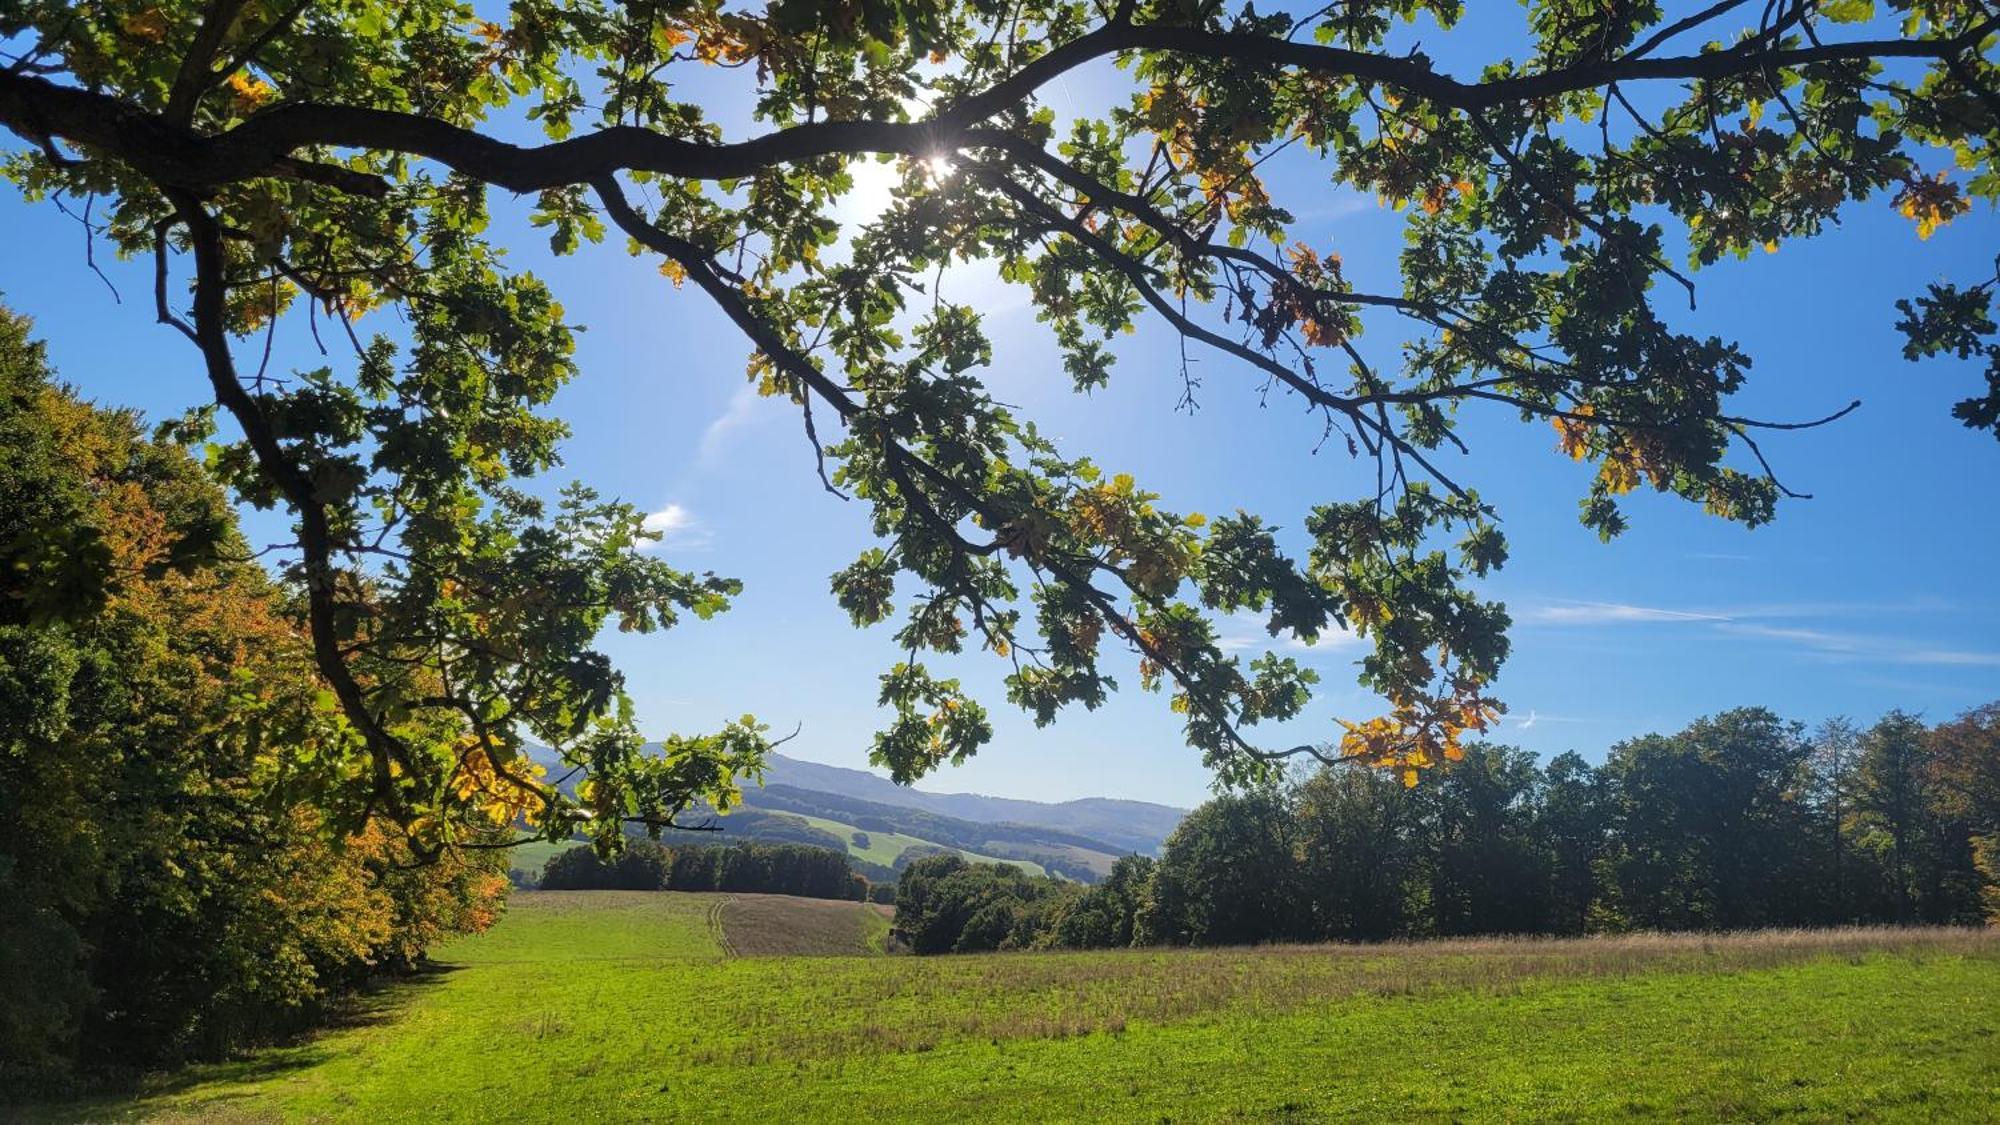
{"x": 1879, "y": 593}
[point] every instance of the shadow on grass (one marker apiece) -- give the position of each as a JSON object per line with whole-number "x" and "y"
{"x": 384, "y": 998}
{"x": 121, "y": 1094}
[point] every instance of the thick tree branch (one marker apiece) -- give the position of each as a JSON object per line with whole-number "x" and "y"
{"x": 195, "y": 78}
{"x": 316, "y": 538}
{"x": 39, "y": 109}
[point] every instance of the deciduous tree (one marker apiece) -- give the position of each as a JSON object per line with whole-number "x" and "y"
{"x": 275, "y": 155}
{"x": 172, "y": 880}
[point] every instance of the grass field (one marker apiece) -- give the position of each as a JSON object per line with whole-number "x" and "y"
{"x": 884, "y": 847}
{"x": 530, "y": 859}
{"x": 606, "y": 1006}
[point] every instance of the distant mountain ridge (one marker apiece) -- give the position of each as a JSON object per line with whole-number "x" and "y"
{"x": 1136, "y": 826}
{"x": 883, "y": 826}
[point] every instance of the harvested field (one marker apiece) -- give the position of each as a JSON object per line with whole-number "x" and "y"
{"x": 781, "y": 926}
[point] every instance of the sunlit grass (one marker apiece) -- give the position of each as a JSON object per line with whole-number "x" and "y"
{"x": 609, "y": 1006}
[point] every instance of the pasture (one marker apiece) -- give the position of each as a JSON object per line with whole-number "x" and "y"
{"x": 602, "y": 1006}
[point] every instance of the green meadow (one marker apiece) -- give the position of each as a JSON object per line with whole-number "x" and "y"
{"x": 633, "y": 1006}
{"x": 885, "y": 847}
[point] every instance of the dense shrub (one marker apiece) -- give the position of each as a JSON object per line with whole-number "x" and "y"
{"x": 947, "y": 904}
{"x": 168, "y": 889}
{"x": 643, "y": 865}
{"x": 1105, "y": 915}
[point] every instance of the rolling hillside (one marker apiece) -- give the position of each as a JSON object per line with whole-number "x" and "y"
{"x": 1061, "y": 853}
{"x": 1128, "y": 826}
{"x": 883, "y": 826}
{"x": 879, "y": 855}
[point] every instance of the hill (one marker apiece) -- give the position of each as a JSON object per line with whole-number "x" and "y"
{"x": 1128, "y": 826}
{"x": 867, "y": 824}
{"x": 883, "y": 826}
{"x": 880, "y": 855}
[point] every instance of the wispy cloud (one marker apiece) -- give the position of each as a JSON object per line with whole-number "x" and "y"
{"x": 1863, "y": 647}
{"x": 679, "y": 529}
{"x": 1559, "y": 611}
{"x": 1608, "y": 613}
{"x": 739, "y": 413}
{"x": 1757, "y": 622}
{"x": 1244, "y": 631}
{"x": 1536, "y": 718}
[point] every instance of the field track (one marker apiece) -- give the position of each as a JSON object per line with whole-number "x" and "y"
{"x": 716, "y": 929}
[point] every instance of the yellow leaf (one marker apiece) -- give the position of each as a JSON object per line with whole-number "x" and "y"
{"x": 1618, "y": 475}
{"x": 1574, "y": 431}
{"x": 250, "y": 93}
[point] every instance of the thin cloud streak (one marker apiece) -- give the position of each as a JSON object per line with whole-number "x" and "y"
{"x": 1861, "y": 647}
{"x": 1609, "y": 613}
{"x": 1536, "y": 718}
{"x": 1743, "y": 623}
{"x": 1588, "y": 613}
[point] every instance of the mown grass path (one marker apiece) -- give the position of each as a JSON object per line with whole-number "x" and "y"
{"x": 623, "y": 1007}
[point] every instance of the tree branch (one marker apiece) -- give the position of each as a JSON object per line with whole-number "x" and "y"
{"x": 37, "y": 108}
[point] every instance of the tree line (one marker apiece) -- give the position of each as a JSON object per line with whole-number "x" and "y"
{"x": 1741, "y": 820}
{"x": 169, "y": 885}
{"x": 645, "y": 865}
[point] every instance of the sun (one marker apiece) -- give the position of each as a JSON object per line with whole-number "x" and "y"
{"x": 875, "y": 184}
{"x": 938, "y": 168}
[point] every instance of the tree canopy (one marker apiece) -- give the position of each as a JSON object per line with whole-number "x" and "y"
{"x": 173, "y": 881}
{"x": 332, "y": 157}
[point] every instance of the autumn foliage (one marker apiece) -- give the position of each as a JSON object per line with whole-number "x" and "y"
{"x": 173, "y": 885}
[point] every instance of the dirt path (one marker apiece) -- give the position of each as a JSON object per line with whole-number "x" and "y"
{"x": 716, "y": 927}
